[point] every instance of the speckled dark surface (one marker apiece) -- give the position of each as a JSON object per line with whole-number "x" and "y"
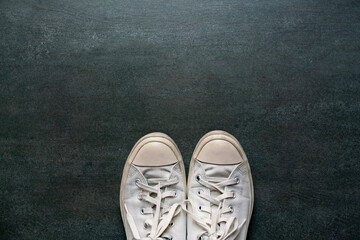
{"x": 81, "y": 81}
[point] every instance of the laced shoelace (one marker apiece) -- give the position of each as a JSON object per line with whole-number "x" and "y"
{"x": 217, "y": 227}
{"x": 161, "y": 219}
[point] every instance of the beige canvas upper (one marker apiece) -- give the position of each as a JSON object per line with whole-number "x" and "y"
{"x": 220, "y": 190}
{"x": 152, "y": 190}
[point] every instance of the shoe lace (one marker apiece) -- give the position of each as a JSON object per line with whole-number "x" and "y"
{"x": 161, "y": 219}
{"x": 217, "y": 226}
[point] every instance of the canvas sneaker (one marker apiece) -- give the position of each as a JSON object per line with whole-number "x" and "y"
{"x": 152, "y": 190}
{"x": 220, "y": 190}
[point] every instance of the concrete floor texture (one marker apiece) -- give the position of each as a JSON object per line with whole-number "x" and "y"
{"x": 82, "y": 81}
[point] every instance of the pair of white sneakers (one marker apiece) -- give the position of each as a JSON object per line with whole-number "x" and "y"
{"x": 216, "y": 203}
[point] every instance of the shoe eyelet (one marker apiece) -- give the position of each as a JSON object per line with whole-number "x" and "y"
{"x": 171, "y": 224}
{"x": 200, "y": 238}
{"x": 199, "y": 208}
{"x": 237, "y": 180}
{"x": 145, "y": 226}
{"x": 175, "y": 193}
{"x": 234, "y": 196}
{"x": 171, "y": 238}
{"x": 142, "y": 211}
{"x": 137, "y": 181}
{"x": 198, "y": 178}
{"x": 231, "y": 208}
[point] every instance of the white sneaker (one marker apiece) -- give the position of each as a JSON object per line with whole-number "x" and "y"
{"x": 152, "y": 190}
{"x": 220, "y": 189}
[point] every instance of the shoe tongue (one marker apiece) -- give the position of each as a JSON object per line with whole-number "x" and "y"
{"x": 222, "y": 171}
{"x": 156, "y": 172}
{"x": 217, "y": 171}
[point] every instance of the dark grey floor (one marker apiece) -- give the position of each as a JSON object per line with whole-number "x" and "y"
{"x": 81, "y": 81}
